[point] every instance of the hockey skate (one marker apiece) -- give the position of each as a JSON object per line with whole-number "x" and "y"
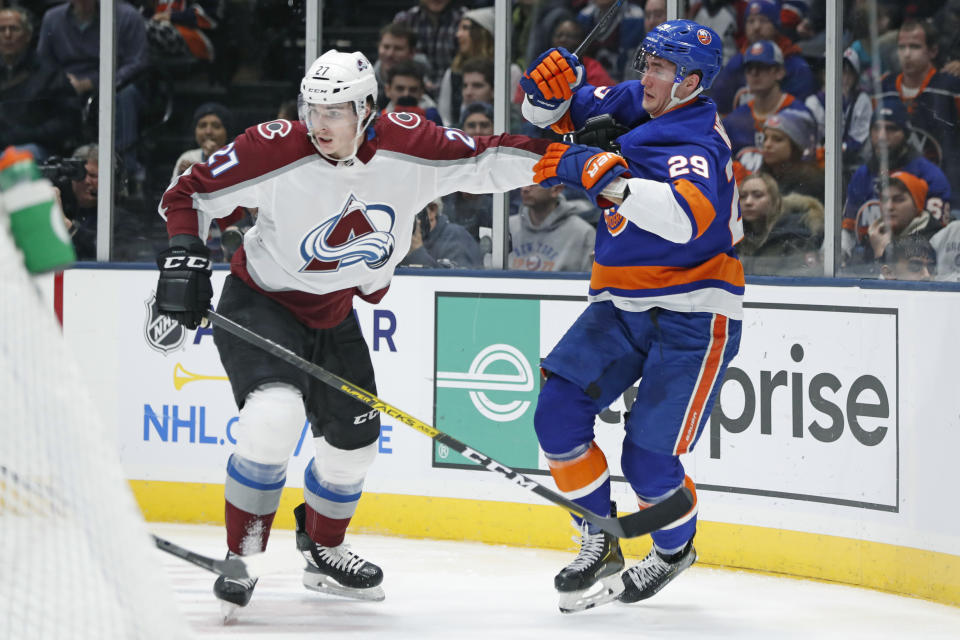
{"x": 654, "y": 572}
{"x": 336, "y": 570}
{"x": 233, "y": 593}
{"x": 593, "y": 577}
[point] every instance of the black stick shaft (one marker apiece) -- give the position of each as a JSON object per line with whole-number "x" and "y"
{"x": 597, "y": 28}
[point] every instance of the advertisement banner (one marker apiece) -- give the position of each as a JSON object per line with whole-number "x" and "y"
{"x": 805, "y": 411}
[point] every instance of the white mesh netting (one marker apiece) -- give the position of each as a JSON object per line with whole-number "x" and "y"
{"x": 75, "y": 557}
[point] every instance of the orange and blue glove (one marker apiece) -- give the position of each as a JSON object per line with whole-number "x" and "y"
{"x": 552, "y": 78}
{"x": 586, "y": 168}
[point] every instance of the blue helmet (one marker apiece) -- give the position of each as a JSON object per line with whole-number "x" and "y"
{"x": 689, "y": 45}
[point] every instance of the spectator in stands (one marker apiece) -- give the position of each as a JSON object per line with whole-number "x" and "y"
{"x": 946, "y": 243}
{"x": 179, "y": 29}
{"x": 472, "y": 210}
{"x": 547, "y": 234}
{"x": 212, "y": 128}
{"x": 909, "y": 257}
{"x": 888, "y": 141}
{"x": 789, "y": 140}
{"x": 398, "y": 43}
{"x": 782, "y": 236}
{"x": 70, "y": 39}
{"x": 617, "y": 43}
{"x": 477, "y": 81}
{"x": 763, "y": 68}
{"x": 762, "y": 23}
{"x": 474, "y": 42}
{"x": 569, "y": 34}
{"x": 857, "y": 111}
{"x": 902, "y": 214}
{"x": 405, "y": 89}
{"x": 654, "y": 14}
{"x": 435, "y": 22}
{"x": 78, "y": 201}
{"x": 932, "y": 99}
{"x": 33, "y": 112}
{"x": 437, "y": 242}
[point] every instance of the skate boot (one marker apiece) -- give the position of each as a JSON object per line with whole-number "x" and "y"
{"x": 336, "y": 570}
{"x": 654, "y": 572}
{"x": 599, "y": 561}
{"x": 233, "y": 593}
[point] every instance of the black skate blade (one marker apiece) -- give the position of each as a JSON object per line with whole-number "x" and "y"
{"x": 575, "y": 601}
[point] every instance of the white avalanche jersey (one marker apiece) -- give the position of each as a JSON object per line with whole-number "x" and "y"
{"x": 327, "y": 231}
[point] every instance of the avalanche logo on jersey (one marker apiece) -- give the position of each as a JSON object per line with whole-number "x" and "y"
{"x": 351, "y": 237}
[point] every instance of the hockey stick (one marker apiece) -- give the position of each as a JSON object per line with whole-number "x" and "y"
{"x": 252, "y": 566}
{"x": 631, "y": 526}
{"x": 597, "y": 28}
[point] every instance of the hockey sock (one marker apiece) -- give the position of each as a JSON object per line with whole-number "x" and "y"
{"x": 654, "y": 477}
{"x": 252, "y": 495}
{"x": 564, "y": 422}
{"x": 582, "y": 475}
{"x": 332, "y": 486}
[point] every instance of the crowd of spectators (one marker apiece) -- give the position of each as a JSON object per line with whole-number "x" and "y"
{"x": 899, "y": 119}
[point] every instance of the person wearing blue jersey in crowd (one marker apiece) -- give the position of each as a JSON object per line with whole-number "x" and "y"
{"x": 665, "y": 291}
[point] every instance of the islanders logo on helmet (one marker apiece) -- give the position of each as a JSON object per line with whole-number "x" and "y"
{"x": 704, "y": 36}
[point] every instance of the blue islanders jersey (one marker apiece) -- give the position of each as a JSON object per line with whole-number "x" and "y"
{"x": 687, "y": 149}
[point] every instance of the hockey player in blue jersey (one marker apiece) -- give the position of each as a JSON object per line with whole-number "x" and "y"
{"x": 665, "y": 293}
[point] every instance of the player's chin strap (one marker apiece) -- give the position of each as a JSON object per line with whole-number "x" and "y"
{"x": 675, "y": 102}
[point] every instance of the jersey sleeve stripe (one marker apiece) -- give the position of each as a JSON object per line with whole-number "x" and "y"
{"x": 700, "y": 206}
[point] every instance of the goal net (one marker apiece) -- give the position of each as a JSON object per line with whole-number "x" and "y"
{"x": 76, "y": 560}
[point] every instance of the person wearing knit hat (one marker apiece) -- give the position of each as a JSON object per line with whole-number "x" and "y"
{"x": 788, "y": 144}
{"x": 917, "y": 187}
{"x": 212, "y": 128}
{"x": 902, "y": 205}
{"x": 482, "y": 17}
{"x": 769, "y": 9}
{"x": 212, "y": 124}
{"x": 474, "y": 41}
{"x": 798, "y": 126}
{"x": 889, "y": 150}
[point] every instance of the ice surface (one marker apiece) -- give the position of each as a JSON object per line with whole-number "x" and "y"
{"x": 460, "y": 590}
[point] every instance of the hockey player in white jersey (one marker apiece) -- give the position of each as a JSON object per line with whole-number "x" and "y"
{"x": 336, "y": 194}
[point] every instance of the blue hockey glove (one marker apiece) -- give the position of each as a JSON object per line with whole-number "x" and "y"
{"x": 587, "y": 168}
{"x": 552, "y": 78}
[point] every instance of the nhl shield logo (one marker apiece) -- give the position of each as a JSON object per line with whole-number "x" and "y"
{"x": 162, "y": 333}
